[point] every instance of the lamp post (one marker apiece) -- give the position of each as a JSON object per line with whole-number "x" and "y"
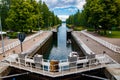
{"x": 1, "y": 30}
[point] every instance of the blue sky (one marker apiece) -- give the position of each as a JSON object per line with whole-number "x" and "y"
{"x": 64, "y": 8}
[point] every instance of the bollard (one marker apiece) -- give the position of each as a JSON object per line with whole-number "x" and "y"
{"x": 54, "y": 67}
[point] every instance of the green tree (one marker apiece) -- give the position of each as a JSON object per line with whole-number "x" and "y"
{"x": 46, "y": 13}
{"x": 4, "y": 11}
{"x": 26, "y": 15}
{"x": 103, "y": 12}
{"x": 23, "y": 15}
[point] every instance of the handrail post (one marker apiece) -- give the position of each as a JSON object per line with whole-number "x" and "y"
{"x": 59, "y": 66}
{"x": 43, "y": 65}
{"x": 31, "y": 66}
{"x": 48, "y": 66}
{"x": 19, "y": 62}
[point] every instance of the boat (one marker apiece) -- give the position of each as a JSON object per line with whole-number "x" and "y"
{"x": 69, "y": 41}
{"x": 73, "y": 54}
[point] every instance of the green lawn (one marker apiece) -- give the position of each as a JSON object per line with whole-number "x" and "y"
{"x": 78, "y": 28}
{"x": 114, "y": 34}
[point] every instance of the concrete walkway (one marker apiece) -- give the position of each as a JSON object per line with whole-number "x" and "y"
{"x": 115, "y": 41}
{"x": 26, "y": 45}
{"x": 96, "y": 47}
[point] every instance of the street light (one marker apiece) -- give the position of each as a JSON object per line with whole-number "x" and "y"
{"x": 1, "y": 29}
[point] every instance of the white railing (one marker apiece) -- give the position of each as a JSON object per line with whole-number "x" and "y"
{"x": 17, "y": 42}
{"x": 64, "y": 67}
{"x": 103, "y": 42}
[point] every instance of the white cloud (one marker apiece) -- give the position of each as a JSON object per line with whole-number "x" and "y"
{"x": 80, "y": 4}
{"x": 65, "y": 3}
{"x": 64, "y": 8}
{"x": 63, "y": 17}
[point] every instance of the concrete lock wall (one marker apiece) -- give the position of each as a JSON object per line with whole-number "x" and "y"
{"x": 45, "y": 46}
{"x": 4, "y": 71}
{"x": 76, "y": 39}
{"x": 40, "y": 47}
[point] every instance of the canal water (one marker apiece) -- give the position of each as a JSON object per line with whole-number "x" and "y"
{"x": 61, "y": 47}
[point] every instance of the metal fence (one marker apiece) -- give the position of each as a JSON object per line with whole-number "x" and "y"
{"x": 103, "y": 42}
{"x": 64, "y": 66}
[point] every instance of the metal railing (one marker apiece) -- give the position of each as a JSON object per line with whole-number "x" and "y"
{"x": 17, "y": 42}
{"x": 103, "y": 42}
{"x": 63, "y": 67}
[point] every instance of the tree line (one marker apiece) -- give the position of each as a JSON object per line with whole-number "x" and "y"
{"x": 98, "y": 14}
{"x": 26, "y": 15}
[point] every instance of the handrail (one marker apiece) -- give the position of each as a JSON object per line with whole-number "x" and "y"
{"x": 99, "y": 61}
{"x": 113, "y": 47}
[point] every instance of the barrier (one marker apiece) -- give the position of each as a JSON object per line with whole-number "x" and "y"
{"x": 104, "y": 43}
{"x": 62, "y": 67}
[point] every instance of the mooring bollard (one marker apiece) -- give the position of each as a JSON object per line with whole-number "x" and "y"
{"x": 54, "y": 67}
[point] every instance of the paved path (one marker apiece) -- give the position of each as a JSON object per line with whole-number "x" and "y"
{"x": 98, "y": 48}
{"x": 115, "y": 41}
{"x": 26, "y": 45}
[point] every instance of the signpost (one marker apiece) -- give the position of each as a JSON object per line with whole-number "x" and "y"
{"x": 21, "y": 37}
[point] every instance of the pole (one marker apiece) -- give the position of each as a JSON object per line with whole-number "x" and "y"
{"x": 2, "y": 38}
{"x": 21, "y": 47}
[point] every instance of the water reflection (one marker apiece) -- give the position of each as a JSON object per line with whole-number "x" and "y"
{"x": 62, "y": 50}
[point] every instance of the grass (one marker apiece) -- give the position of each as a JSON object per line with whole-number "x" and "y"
{"x": 114, "y": 34}
{"x": 79, "y": 28}
{"x": 76, "y": 28}
{"x": 49, "y": 28}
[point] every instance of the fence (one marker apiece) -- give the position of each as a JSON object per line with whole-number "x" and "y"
{"x": 64, "y": 66}
{"x": 104, "y": 43}
{"x": 17, "y": 42}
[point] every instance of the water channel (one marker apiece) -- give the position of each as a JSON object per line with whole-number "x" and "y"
{"x": 60, "y": 48}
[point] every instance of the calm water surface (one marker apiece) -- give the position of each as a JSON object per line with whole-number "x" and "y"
{"x": 60, "y": 48}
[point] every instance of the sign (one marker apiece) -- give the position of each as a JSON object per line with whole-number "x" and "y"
{"x": 21, "y": 36}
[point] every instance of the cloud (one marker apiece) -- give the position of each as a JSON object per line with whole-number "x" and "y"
{"x": 65, "y": 3}
{"x": 64, "y": 8}
{"x": 63, "y": 17}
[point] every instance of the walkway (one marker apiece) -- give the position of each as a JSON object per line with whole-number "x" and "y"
{"x": 26, "y": 44}
{"x": 96, "y": 47}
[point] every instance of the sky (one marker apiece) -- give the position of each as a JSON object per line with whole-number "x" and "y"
{"x": 64, "y": 8}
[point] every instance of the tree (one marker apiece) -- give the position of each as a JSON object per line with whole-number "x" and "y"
{"x": 4, "y": 11}
{"x": 45, "y": 13}
{"x": 103, "y": 12}
{"x": 23, "y": 15}
{"x": 26, "y": 15}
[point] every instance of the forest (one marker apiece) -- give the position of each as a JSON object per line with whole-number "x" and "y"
{"x": 98, "y": 14}
{"x": 26, "y": 15}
